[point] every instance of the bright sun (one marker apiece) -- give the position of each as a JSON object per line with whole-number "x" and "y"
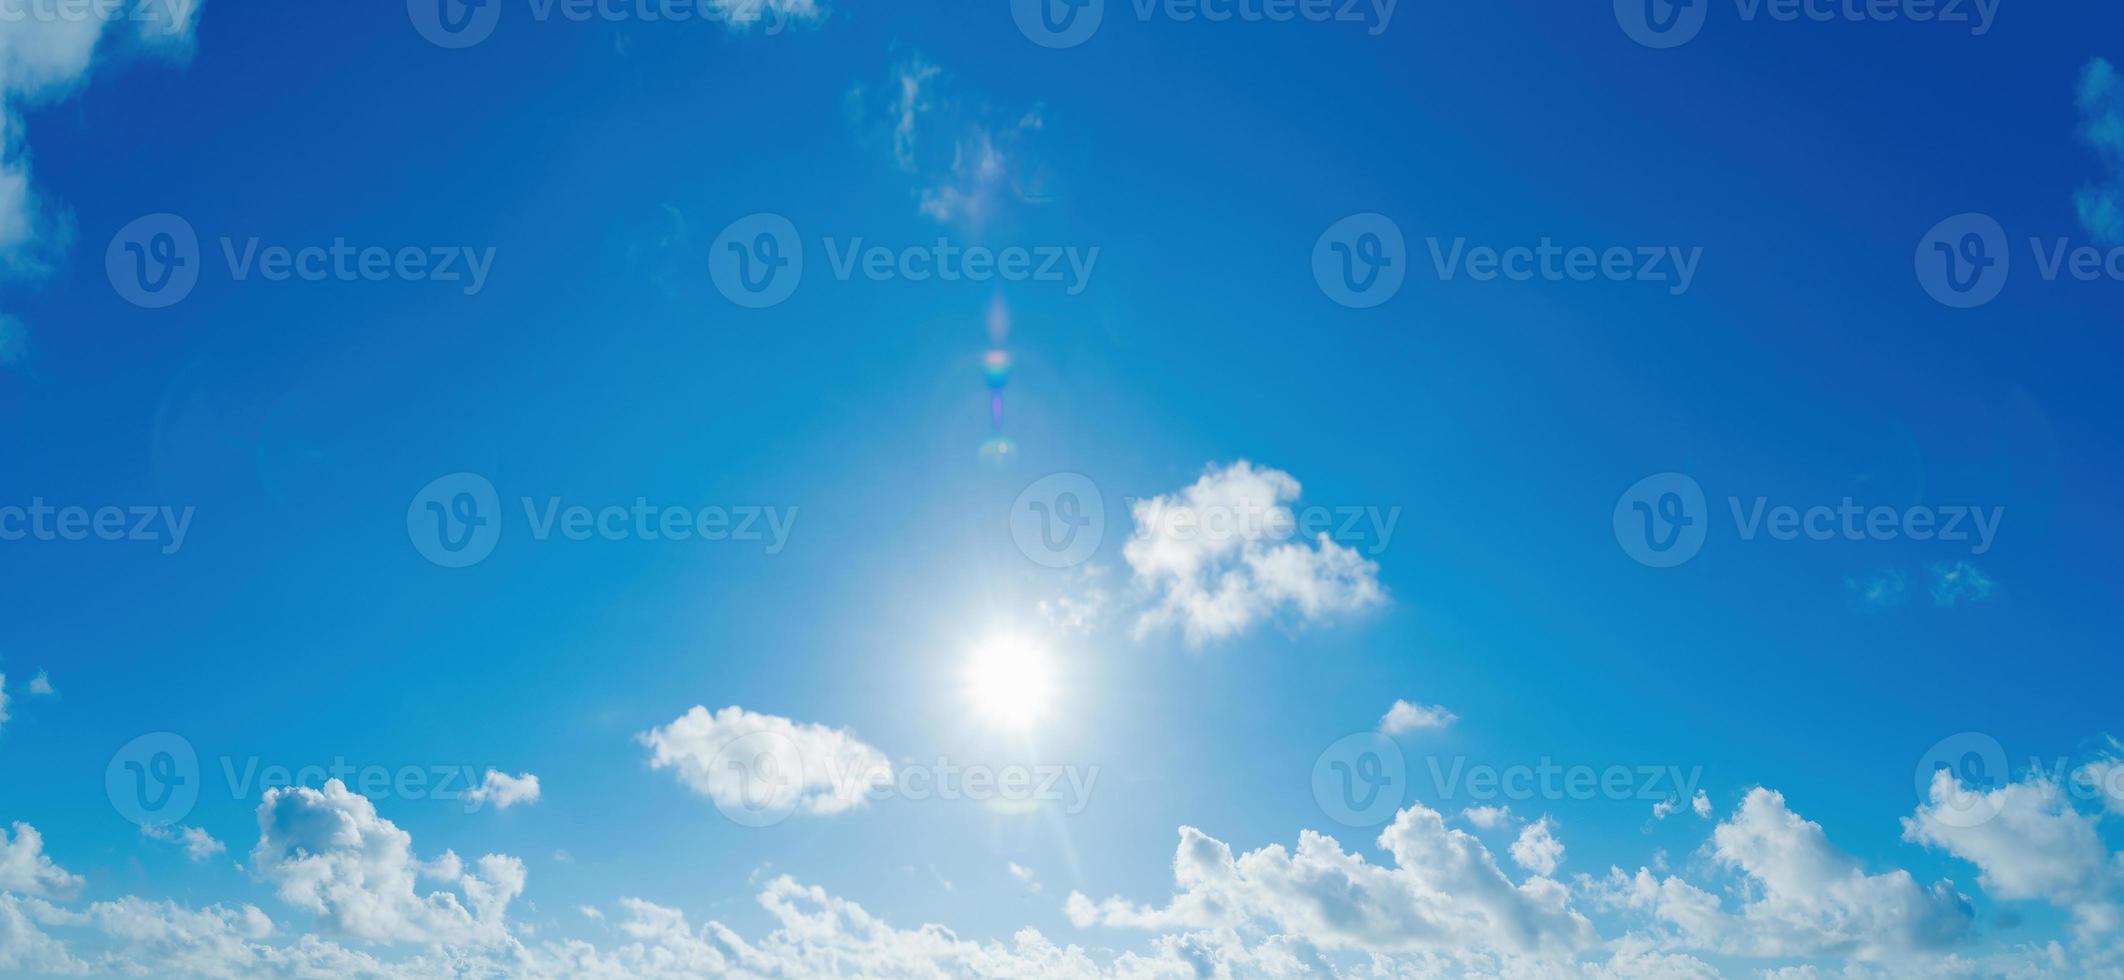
{"x": 1010, "y": 681}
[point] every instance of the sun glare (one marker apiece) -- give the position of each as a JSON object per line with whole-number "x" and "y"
{"x": 1010, "y": 681}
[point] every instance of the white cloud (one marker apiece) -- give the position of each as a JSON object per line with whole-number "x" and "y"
{"x": 1487, "y": 817}
{"x": 1699, "y": 804}
{"x": 330, "y": 854}
{"x": 1444, "y": 893}
{"x": 1216, "y": 560}
{"x": 2104, "y": 777}
{"x": 198, "y": 844}
{"x": 1404, "y": 717}
{"x": 41, "y": 685}
{"x": 44, "y": 59}
{"x": 1802, "y": 896}
{"x": 816, "y": 770}
{"x": 2033, "y": 845}
{"x": 25, "y": 869}
{"x": 504, "y": 790}
{"x": 3, "y": 699}
{"x": 1442, "y": 908}
{"x": 1537, "y": 848}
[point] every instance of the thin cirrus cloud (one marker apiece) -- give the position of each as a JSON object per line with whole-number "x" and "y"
{"x": 44, "y": 59}
{"x": 968, "y": 161}
{"x": 2101, "y": 104}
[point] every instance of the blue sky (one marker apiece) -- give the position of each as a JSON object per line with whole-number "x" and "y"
{"x": 721, "y": 754}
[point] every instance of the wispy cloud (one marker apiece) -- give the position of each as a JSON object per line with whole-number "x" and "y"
{"x": 2101, "y": 102}
{"x": 1880, "y": 589}
{"x": 1959, "y": 581}
{"x": 967, "y": 160}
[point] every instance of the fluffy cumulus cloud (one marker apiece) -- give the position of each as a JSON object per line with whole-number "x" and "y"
{"x": 1443, "y": 895}
{"x": 1403, "y": 717}
{"x": 742, "y": 758}
{"x": 2028, "y": 842}
{"x": 329, "y": 853}
{"x": 1803, "y": 896}
{"x": 503, "y": 790}
{"x": 24, "y": 868}
{"x": 1537, "y": 848}
{"x": 1217, "y": 557}
{"x": 2101, "y": 102}
{"x": 1441, "y": 906}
